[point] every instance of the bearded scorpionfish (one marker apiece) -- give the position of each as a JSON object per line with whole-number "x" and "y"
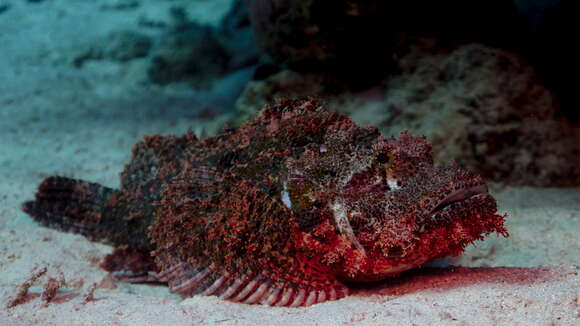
{"x": 281, "y": 211}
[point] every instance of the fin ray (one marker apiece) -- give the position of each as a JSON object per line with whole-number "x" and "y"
{"x": 188, "y": 279}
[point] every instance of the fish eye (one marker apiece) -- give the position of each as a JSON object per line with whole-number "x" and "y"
{"x": 382, "y": 158}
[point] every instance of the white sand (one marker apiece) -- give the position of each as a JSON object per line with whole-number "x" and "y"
{"x": 56, "y": 119}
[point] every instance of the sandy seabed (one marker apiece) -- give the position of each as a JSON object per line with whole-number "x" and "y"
{"x": 56, "y": 119}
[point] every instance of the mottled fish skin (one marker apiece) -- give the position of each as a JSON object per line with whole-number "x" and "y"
{"x": 280, "y": 211}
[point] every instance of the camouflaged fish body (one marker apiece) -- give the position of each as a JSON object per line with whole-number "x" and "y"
{"x": 281, "y": 211}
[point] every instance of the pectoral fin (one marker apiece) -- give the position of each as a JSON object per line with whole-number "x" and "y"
{"x": 253, "y": 287}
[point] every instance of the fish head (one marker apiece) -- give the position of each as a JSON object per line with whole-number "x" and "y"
{"x": 403, "y": 211}
{"x": 392, "y": 208}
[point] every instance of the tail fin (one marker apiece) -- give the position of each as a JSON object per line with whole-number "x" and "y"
{"x": 70, "y": 205}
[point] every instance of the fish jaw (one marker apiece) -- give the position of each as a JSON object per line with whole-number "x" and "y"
{"x": 454, "y": 226}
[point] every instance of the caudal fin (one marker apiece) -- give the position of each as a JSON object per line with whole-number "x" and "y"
{"x": 70, "y": 205}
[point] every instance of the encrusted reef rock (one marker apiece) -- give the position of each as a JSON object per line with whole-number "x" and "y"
{"x": 176, "y": 46}
{"x": 194, "y": 52}
{"x": 313, "y": 34}
{"x": 481, "y": 106}
{"x": 189, "y": 54}
{"x": 236, "y": 37}
{"x": 188, "y": 51}
{"x": 487, "y": 109}
{"x": 357, "y": 38}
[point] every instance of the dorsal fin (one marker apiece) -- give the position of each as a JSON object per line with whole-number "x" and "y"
{"x": 155, "y": 155}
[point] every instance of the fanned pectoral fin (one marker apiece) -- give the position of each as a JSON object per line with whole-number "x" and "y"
{"x": 233, "y": 240}
{"x": 252, "y": 287}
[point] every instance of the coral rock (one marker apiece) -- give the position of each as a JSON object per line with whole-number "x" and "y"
{"x": 488, "y": 110}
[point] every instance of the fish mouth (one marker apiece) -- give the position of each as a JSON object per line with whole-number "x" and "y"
{"x": 473, "y": 207}
{"x": 459, "y": 196}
